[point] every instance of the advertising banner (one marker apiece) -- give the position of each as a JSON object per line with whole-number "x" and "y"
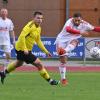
{"x": 91, "y": 42}
{"x": 49, "y": 44}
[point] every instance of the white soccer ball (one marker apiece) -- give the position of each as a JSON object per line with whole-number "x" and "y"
{"x": 95, "y": 52}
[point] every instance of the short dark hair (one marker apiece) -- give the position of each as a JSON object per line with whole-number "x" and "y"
{"x": 37, "y": 13}
{"x": 77, "y": 15}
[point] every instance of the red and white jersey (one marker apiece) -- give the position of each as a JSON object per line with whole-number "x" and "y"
{"x": 65, "y": 36}
{"x": 5, "y": 26}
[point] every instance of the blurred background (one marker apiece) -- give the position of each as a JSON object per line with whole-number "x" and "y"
{"x": 55, "y": 12}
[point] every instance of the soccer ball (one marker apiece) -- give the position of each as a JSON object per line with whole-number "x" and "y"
{"x": 95, "y": 52}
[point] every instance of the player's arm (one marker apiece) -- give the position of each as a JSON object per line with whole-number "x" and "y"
{"x": 41, "y": 45}
{"x": 74, "y": 31}
{"x": 12, "y": 33}
{"x": 96, "y": 29}
{"x": 71, "y": 30}
{"x": 90, "y": 27}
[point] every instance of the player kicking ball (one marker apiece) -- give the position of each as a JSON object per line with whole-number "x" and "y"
{"x": 67, "y": 40}
{"x": 28, "y": 37}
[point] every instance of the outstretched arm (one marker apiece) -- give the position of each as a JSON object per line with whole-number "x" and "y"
{"x": 74, "y": 31}
{"x": 96, "y": 29}
{"x": 41, "y": 46}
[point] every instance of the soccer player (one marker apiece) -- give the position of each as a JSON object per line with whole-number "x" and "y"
{"x": 29, "y": 36}
{"x": 6, "y": 30}
{"x": 67, "y": 40}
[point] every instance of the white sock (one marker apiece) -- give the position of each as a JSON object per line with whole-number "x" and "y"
{"x": 62, "y": 69}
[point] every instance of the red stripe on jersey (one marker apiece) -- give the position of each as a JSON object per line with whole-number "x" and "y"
{"x": 72, "y": 31}
{"x": 96, "y": 29}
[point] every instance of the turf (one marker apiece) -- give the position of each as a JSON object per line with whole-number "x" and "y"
{"x": 30, "y": 86}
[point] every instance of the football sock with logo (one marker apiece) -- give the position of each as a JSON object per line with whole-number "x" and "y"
{"x": 62, "y": 69}
{"x": 44, "y": 74}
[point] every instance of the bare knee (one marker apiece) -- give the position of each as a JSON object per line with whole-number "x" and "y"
{"x": 8, "y": 55}
{"x": 38, "y": 64}
{"x": 63, "y": 59}
{"x": 18, "y": 63}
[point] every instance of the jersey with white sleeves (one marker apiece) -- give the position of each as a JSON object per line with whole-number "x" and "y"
{"x": 5, "y": 27}
{"x": 65, "y": 36}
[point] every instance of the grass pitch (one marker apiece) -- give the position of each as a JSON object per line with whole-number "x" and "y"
{"x": 30, "y": 86}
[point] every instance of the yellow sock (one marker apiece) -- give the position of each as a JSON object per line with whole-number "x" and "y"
{"x": 11, "y": 67}
{"x": 44, "y": 74}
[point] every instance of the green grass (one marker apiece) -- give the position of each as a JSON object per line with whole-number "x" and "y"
{"x": 30, "y": 86}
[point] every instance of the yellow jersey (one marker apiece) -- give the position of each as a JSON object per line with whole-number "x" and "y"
{"x": 28, "y": 37}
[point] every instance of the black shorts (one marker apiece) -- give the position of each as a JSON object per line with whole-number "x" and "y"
{"x": 29, "y": 58}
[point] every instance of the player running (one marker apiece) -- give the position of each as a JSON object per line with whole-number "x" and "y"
{"x": 6, "y": 32}
{"x": 28, "y": 37}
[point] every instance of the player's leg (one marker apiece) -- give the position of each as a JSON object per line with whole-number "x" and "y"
{"x": 63, "y": 49}
{"x": 60, "y": 47}
{"x": 7, "y": 52}
{"x": 71, "y": 45}
{"x": 62, "y": 69}
{"x": 17, "y": 63}
{"x": 30, "y": 58}
{"x": 11, "y": 67}
{"x": 43, "y": 72}
{"x": 7, "y": 59}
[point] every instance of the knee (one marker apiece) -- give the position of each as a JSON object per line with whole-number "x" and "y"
{"x": 63, "y": 60}
{"x": 38, "y": 64}
{"x": 18, "y": 64}
{"x": 8, "y": 55}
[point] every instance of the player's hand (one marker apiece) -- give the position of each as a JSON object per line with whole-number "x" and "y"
{"x": 26, "y": 52}
{"x": 49, "y": 55}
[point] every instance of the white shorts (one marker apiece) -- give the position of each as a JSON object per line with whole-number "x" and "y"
{"x": 65, "y": 45}
{"x": 5, "y": 48}
{"x": 62, "y": 44}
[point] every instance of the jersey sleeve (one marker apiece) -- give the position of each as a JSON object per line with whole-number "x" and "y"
{"x": 26, "y": 30}
{"x": 11, "y": 26}
{"x": 41, "y": 45}
{"x": 87, "y": 26}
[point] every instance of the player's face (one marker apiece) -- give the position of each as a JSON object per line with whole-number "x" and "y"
{"x": 77, "y": 21}
{"x": 38, "y": 19}
{"x": 4, "y": 13}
